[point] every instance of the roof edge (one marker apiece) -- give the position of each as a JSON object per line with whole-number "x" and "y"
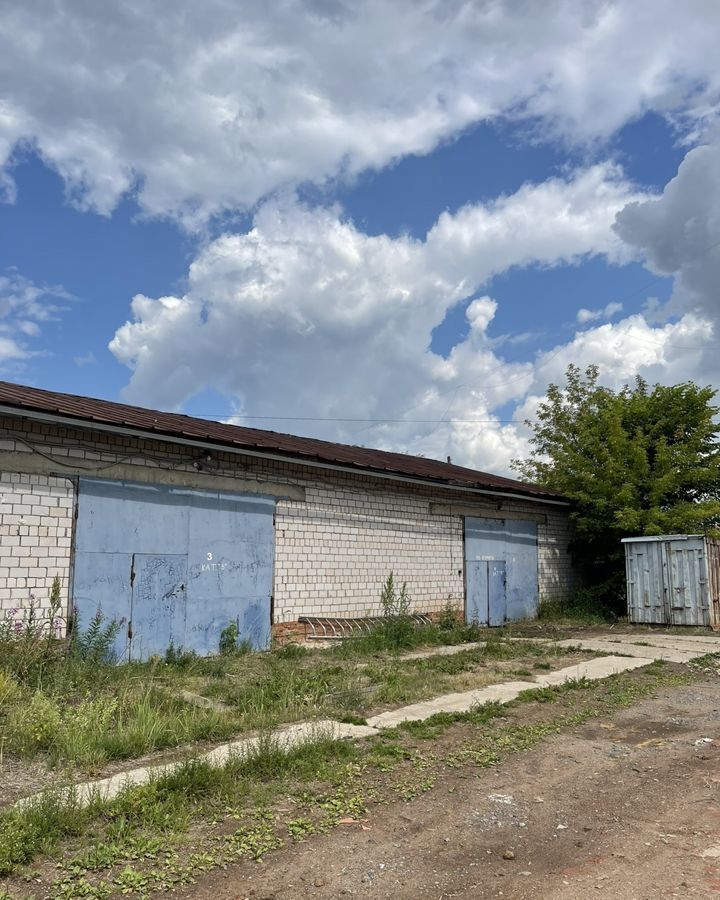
{"x": 108, "y": 416}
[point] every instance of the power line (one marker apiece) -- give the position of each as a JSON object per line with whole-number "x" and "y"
{"x": 350, "y": 419}
{"x": 509, "y": 379}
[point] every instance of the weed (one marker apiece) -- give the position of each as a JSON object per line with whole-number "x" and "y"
{"x": 342, "y": 804}
{"x": 299, "y": 829}
{"x": 133, "y": 834}
{"x": 254, "y": 842}
{"x": 409, "y": 789}
{"x": 95, "y": 645}
{"x": 229, "y": 638}
{"x": 29, "y": 637}
{"x": 450, "y": 617}
{"x": 350, "y": 719}
{"x": 291, "y": 651}
{"x": 396, "y": 625}
{"x": 430, "y": 728}
{"x": 179, "y": 658}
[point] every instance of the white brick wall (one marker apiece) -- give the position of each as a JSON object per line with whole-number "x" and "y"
{"x": 35, "y": 536}
{"x": 333, "y": 550}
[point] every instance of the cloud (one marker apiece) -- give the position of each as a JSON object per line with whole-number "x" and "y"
{"x": 305, "y": 315}
{"x": 678, "y": 233}
{"x": 205, "y": 109}
{"x": 87, "y": 359}
{"x": 24, "y": 307}
{"x": 591, "y": 315}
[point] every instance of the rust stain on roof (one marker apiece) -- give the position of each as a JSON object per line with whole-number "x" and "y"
{"x": 22, "y": 399}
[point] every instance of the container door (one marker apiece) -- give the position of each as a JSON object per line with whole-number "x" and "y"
{"x": 687, "y": 583}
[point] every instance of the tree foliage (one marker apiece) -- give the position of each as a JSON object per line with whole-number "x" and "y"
{"x": 640, "y": 461}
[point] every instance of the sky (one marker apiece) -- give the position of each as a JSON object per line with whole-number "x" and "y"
{"x": 384, "y": 223}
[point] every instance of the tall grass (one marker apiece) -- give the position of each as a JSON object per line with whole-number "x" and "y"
{"x": 95, "y": 729}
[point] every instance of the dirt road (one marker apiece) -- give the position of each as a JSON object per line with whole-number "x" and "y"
{"x": 624, "y": 807}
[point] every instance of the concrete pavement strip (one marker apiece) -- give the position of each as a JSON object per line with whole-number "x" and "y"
{"x": 624, "y": 648}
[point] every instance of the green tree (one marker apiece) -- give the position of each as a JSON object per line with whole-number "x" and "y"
{"x": 639, "y": 461}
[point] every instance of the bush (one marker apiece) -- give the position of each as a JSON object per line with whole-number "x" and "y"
{"x": 585, "y": 607}
{"x": 450, "y": 617}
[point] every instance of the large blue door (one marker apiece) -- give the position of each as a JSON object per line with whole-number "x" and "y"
{"x": 174, "y": 566}
{"x": 501, "y": 570}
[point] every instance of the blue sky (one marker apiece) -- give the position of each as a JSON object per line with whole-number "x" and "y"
{"x": 385, "y": 242}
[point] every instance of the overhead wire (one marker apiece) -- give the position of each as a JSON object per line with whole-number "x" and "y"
{"x": 509, "y": 379}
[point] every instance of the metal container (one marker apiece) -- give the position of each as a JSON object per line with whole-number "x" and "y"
{"x": 673, "y": 579}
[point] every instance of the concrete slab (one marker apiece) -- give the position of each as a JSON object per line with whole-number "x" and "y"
{"x": 442, "y": 651}
{"x": 698, "y": 646}
{"x": 458, "y": 702}
{"x": 592, "y": 670}
{"x": 286, "y": 738}
{"x": 707, "y": 638}
{"x": 628, "y": 649}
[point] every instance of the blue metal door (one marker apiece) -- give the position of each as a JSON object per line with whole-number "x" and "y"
{"x": 476, "y": 592}
{"x": 158, "y": 603}
{"x": 486, "y": 602}
{"x": 497, "y": 594}
{"x": 501, "y": 570}
{"x": 230, "y": 565}
{"x": 102, "y": 585}
{"x": 174, "y": 566}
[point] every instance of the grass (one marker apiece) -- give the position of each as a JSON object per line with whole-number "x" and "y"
{"x": 83, "y": 715}
{"x": 163, "y": 834}
{"x": 574, "y": 612}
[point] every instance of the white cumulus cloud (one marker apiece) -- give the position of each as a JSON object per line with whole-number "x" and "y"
{"x": 305, "y": 315}
{"x": 205, "y": 108}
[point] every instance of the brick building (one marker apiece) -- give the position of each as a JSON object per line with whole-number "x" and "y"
{"x": 178, "y": 526}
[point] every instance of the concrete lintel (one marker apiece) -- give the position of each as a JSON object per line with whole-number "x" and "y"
{"x": 487, "y": 511}
{"x": 32, "y": 464}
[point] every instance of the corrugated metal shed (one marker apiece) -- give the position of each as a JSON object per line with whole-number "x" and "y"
{"x": 673, "y": 579}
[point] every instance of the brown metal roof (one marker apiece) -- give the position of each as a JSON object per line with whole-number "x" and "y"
{"x": 162, "y": 424}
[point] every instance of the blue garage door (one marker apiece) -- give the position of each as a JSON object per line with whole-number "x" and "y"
{"x": 501, "y": 570}
{"x": 174, "y": 566}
